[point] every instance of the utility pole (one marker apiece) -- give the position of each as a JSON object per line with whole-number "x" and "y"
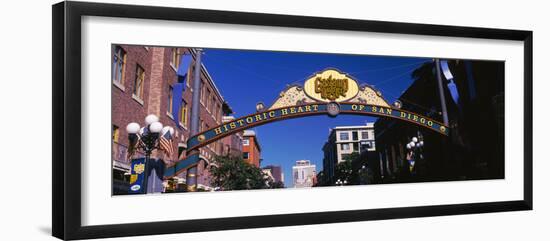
{"x": 191, "y": 178}
{"x": 441, "y": 93}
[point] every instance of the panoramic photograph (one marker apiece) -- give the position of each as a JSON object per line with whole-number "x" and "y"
{"x": 187, "y": 119}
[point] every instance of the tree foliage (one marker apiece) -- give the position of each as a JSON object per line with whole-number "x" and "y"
{"x": 343, "y": 172}
{"x": 233, "y": 173}
{"x": 278, "y": 184}
{"x": 351, "y": 157}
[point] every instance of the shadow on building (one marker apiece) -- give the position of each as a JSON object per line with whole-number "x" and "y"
{"x": 475, "y": 147}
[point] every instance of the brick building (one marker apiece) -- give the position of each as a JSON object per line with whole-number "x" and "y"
{"x": 142, "y": 80}
{"x": 251, "y": 148}
{"x": 233, "y": 144}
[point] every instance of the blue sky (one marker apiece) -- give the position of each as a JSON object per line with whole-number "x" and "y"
{"x": 247, "y": 77}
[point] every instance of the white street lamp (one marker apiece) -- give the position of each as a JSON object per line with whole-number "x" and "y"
{"x": 142, "y": 131}
{"x": 148, "y": 137}
{"x": 164, "y": 130}
{"x": 171, "y": 131}
{"x": 150, "y": 119}
{"x": 155, "y": 127}
{"x": 415, "y": 148}
{"x": 132, "y": 128}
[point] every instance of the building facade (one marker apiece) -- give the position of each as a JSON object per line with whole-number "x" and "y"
{"x": 251, "y": 148}
{"x": 343, "y": 141}
{"x": 304, "y": 174}
{"x": 474, "y": 148}
{"x": 142, "y": 84}
{"x": 233, "y": 144}
{"x": 276, "y": 172}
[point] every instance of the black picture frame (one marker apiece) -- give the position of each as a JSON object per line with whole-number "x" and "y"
{"x": 67, "y": 137}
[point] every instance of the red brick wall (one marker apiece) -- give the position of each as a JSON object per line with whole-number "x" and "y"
{"x": 253, "y": 151}
{"x": 159, "y": 75}
{"x": 124, "y": 108}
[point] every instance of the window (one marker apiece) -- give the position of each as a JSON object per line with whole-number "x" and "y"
{"x": 364, "y": 135}
{"x": 213, "y": 110}
{"x": 175, "y": 58}
{"x": 119, "y": 64}
{"x": 170, "y": 101}
{"x": 203, "y": 92}
{"x": 138, "y": 83}
{"x": 245, "y": 155}
{"x": 183, "y": 113}
{"x": 246, "y": 142}
{"x": 356, "y": 147}
{"x": 344, "y": 136}
{"x": 345, "y": 147}
{"x": 355, "y": 135}
{"x": 365, "y": 145}
{"x": 219, "y": 111}
{"x": 116, "y": 133}
{"x": 213, "y": 105}
{"x": 189, "y": 77}
{"x": 207, "y": 98}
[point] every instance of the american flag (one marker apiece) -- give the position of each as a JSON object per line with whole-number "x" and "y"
{"x": 166, "y": 143}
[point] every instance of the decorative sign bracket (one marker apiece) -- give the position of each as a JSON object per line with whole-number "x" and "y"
{"x": 329, "y": 85}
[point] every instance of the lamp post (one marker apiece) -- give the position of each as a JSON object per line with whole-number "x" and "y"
{"x": 363, "y": 174}
{"x": 341, "y": 183}
{"x": 415, "y": 149}
{"x": 147, "y": 138}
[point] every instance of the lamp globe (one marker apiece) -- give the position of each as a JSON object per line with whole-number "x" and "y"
{"x": 155, "y": 127}
{"x": 132, "y": 128}
{"x": 150, "y": 119}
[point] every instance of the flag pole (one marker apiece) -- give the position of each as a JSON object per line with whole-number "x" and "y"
{"x": 441, "y": 93}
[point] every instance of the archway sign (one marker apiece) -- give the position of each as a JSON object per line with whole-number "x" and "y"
{"x": 329, "y": 92}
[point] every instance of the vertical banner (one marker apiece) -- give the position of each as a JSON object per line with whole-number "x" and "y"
{"x": 177, "y": 97}
{"x": 137, "y": 176}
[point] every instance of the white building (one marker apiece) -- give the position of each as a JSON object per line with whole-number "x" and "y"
{"x": 304, "y": 174}
{"x": 345, "y": 140}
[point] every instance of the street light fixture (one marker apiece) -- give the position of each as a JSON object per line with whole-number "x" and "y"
{"x": 146, "y": 138}
{"x": 150, "y": 119}
{"x": 415, "y": 148}
{"x": 341, "y": 183}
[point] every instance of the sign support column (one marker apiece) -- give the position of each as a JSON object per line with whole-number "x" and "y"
{"x": 441, "y": 93}
{"x": 191, "y": 178}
